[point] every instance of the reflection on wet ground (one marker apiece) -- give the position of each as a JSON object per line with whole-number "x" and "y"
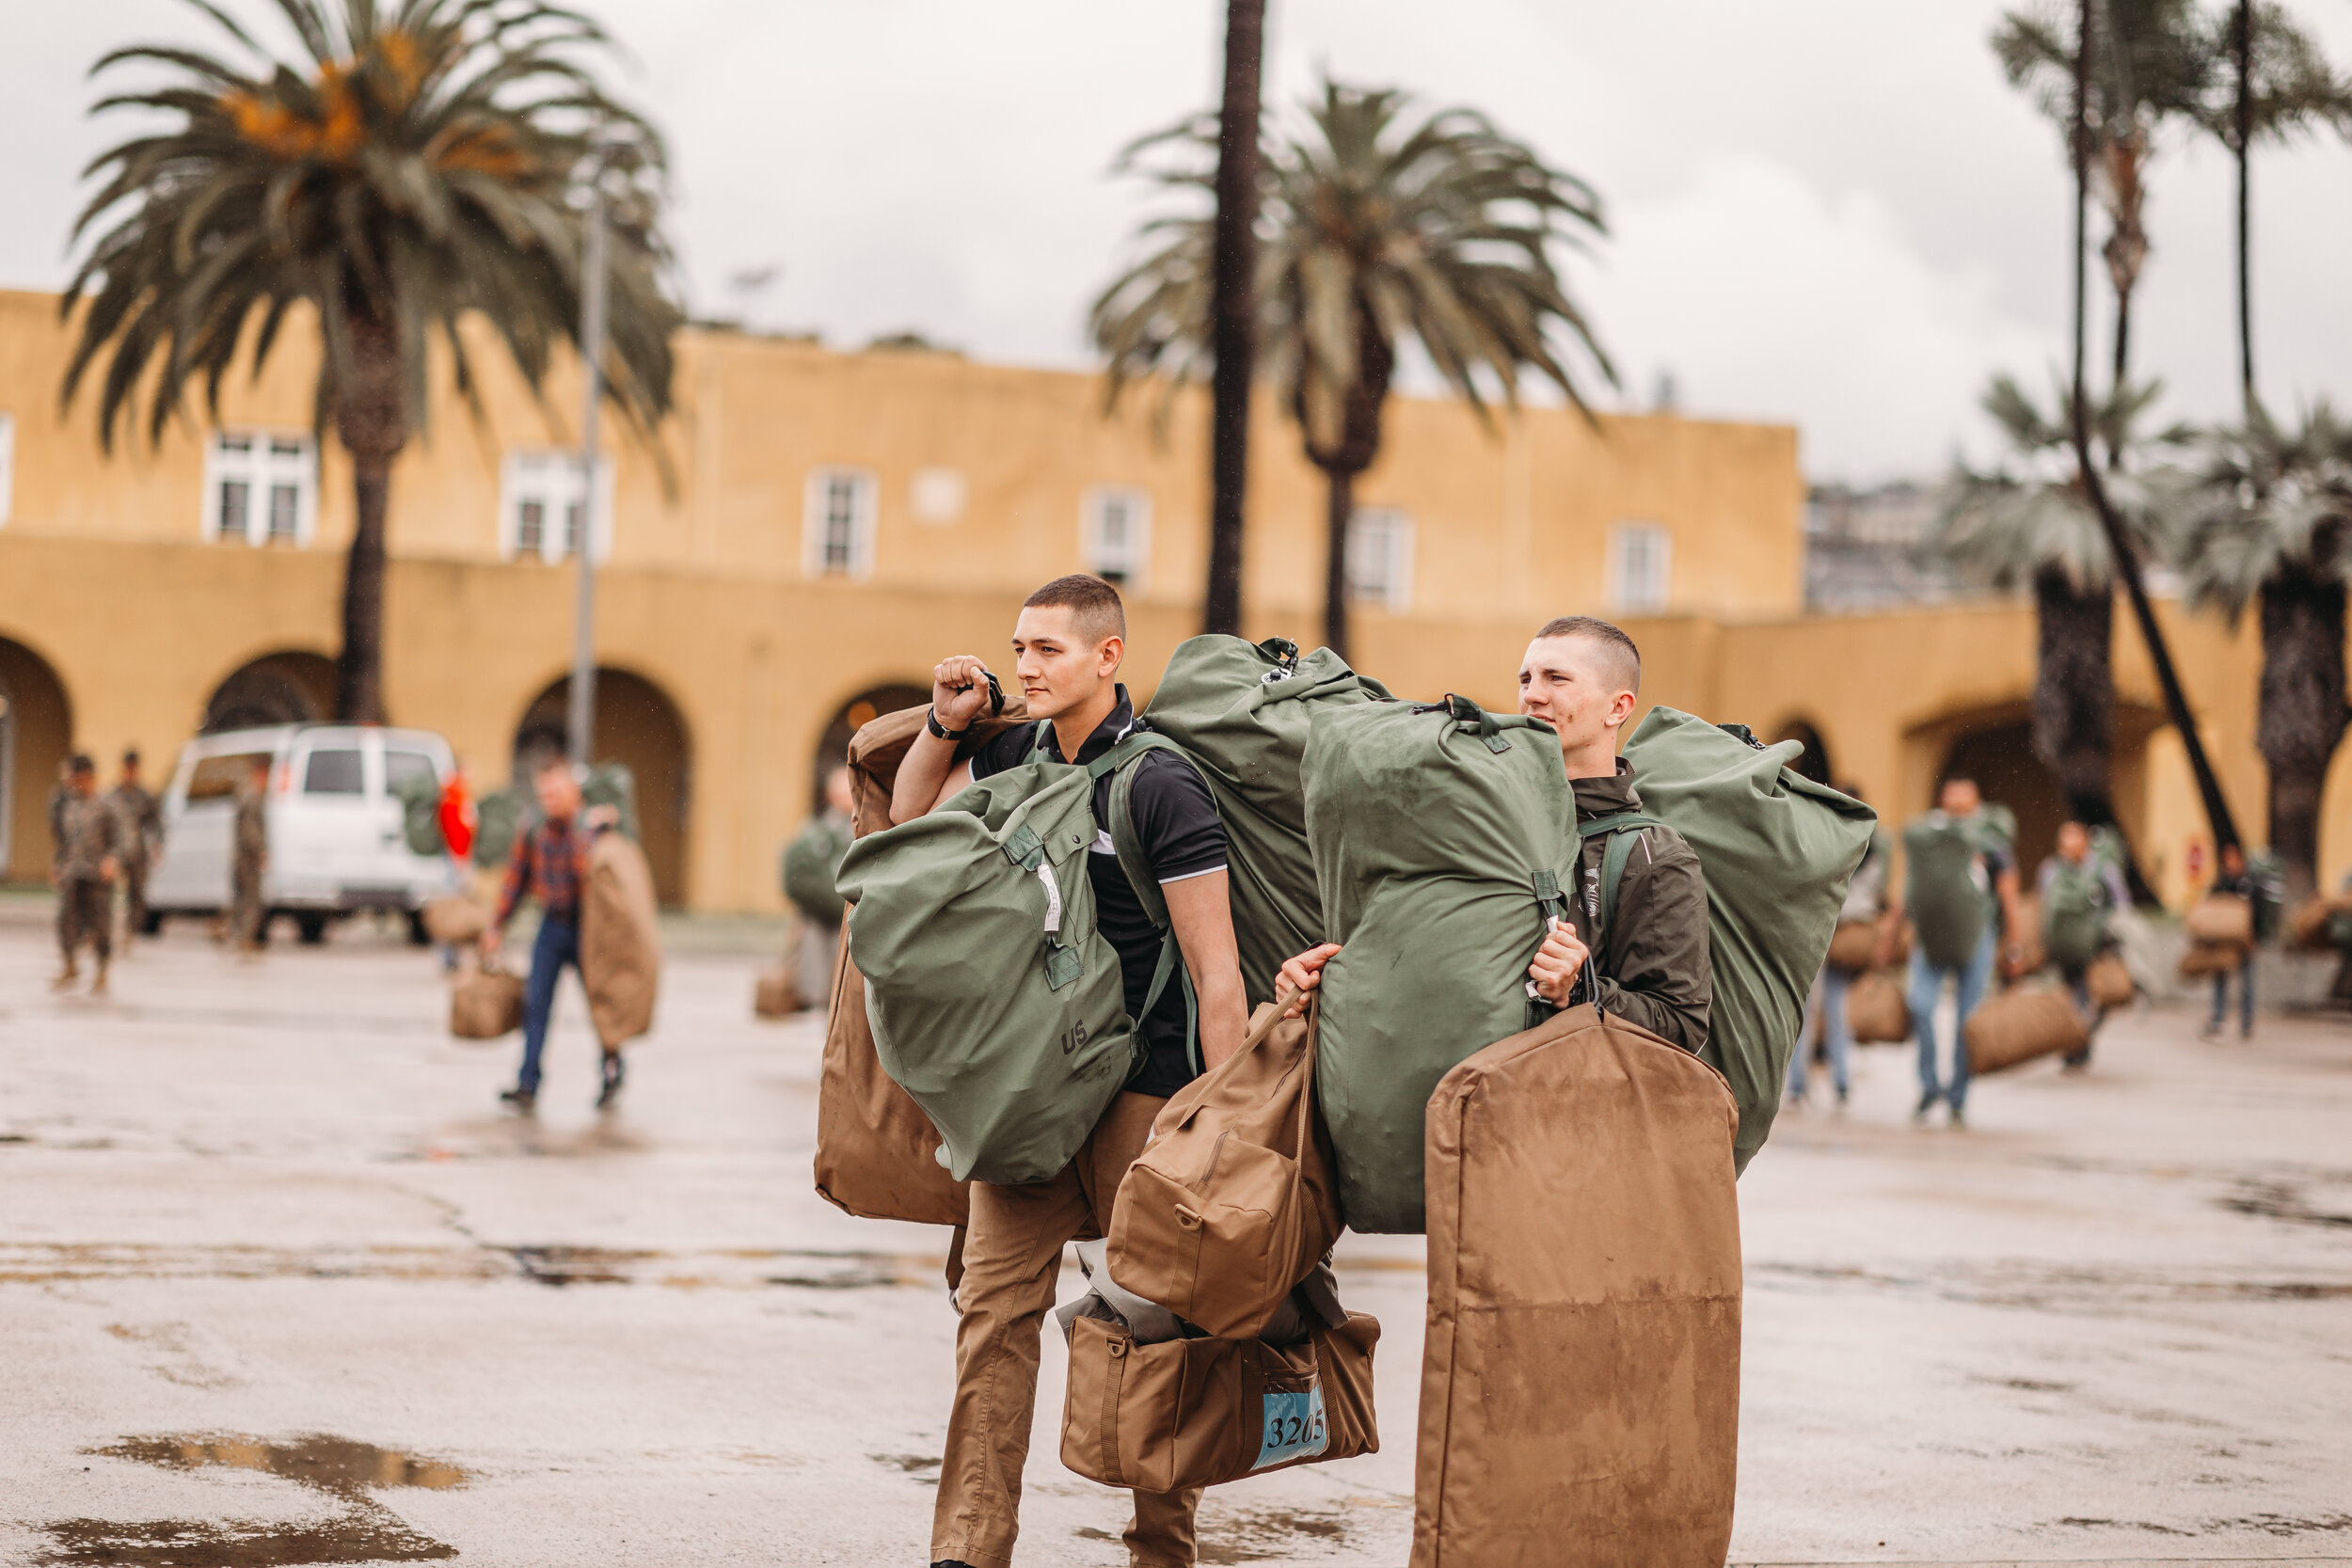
{"x": 1262, "y": 1534}
{"x": 2280, "y": 1200}
{"x": 2030, "y": 1284}
{"x": 541, "y": 1263}
{"x": 362, "y": 1529}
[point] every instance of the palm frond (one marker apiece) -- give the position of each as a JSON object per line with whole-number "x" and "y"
{"x": 2260, "y": 499}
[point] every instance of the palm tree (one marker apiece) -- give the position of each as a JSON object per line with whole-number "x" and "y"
{"x": 416, "y": 170}
{"x": 2028, "y": 522}
{"x": 2278, "y": 85}
{"x": 2153, "y": 64}
{"x": 1374, "y": 235}
{"x": 2264, "y": 517}
{"x": 1234, "y": 310}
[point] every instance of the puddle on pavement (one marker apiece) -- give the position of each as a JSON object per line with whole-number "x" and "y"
{"x": 1254, "y": 1534}
{"x": 2280, "y": 1200}
{"x": 541, "y": 1263}
{"x": 363, "y": 1530}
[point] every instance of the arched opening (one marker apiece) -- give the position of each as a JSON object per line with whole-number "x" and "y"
{"x": 1994, "y": 745}
{"x": 640, "y": 727}
{"x": 1813, "y": 762}
{"x": 2000, "y": 758}
{"x": 36, "y": 737}
{"x": 832, "y": 748}
{"x": 288, "y": 687}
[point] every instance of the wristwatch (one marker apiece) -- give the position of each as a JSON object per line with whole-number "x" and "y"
{"x": 930, "y": 722}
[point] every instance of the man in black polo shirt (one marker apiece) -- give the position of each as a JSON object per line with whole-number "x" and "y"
{"x": 1067, "y": 648}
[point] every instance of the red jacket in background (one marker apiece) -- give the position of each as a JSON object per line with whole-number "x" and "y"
{"x": 458, "y": 816}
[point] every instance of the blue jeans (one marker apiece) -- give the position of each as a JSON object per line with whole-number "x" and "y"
{"x": 1827, "y": 1003}
{"x": 558, "y": 943}
{"x": 1927, "y": 990}
{"x": 2244, "y": 998}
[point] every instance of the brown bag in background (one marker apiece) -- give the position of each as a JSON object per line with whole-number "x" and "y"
{"x": 2307, "y": 928}
{"x": 1580, "y": 1394}
{"x": 620, "y": 939}
{"x": 2109, "y": 981}
{"x": 2224, "y": 919}
{"x": 2023, "y": 1023}
{"x": 876, "y": 1151}
{"x": 1876, "y": 1009}
{"x": 2206, "y": 959}
{"x": 455, "y": 920}
{"x": 777, "y": 993}
{"x": 1852, "y": 947}
{"x": 1157, "y": 1417}
{"x": 1233, "y": 1202}
{"x": 486, "y": 1004}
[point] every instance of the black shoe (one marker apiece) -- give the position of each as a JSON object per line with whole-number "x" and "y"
{"x": 613, "y": 1073}
{"x": 1927, "y": 1103}
{"x": 525, "y": 1100}
{"x": 950, "y": 1562}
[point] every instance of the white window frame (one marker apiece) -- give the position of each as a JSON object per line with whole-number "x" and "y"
{"x": 1380, "y": 558}
{"x": 266, "y": 462}
{"x": 549, "y": 479}
{"x": 862, "y": 490}
{"x": 1641, "y": 568}
{"x": 7, "y": 464}
{"x": 1127, "y": 563}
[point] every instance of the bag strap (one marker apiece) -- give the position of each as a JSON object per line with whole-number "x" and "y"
{"x": 1119, "y": 762}
{"x": 1620, "y": 827}
{"x": 1112, "y": 1382}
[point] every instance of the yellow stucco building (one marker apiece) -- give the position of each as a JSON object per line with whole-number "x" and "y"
{"x": 817, "y": 528}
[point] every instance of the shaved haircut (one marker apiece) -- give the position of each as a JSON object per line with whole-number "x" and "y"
{"x": 1622, "y": 660}
{"x": 1093, "y": 605}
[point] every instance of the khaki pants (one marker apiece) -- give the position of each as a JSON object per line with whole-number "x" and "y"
{"x": 1011, "y": 1264}
{"x": 134, "y": 895}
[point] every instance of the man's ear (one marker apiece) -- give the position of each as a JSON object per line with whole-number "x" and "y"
{"x": 1111, "y": 654}
{"x": 1621, "y": 709}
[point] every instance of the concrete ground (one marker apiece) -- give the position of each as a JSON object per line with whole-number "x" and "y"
{"x": 278, "y": 1285}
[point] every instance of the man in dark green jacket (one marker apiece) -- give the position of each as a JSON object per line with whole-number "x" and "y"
{"x": 1582, "y": 676}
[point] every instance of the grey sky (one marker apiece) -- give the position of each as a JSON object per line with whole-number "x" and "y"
{"x": 1828, "y": 211}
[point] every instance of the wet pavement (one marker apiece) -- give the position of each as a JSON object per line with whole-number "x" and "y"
{"x": 278, "y": 1285}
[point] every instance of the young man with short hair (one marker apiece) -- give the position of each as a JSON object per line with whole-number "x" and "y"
{"x": 1067, "y": 645}
{"x": 551, "y": 862}
{"x": 1582, "y": 676}
{"x": 1961, "y": 907}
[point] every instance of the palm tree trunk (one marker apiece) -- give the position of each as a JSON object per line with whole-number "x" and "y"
{"x": 1340, "y": 510}
{"x": 2301, "y": 718}
{"x": 371, "y": 420}
{"x": 2074, "y": 704}
{"x": 2242, "y": 45}
{"x": 1234, "y": 310}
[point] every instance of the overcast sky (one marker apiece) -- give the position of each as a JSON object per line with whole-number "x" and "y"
{"x": 1827, "y": 212}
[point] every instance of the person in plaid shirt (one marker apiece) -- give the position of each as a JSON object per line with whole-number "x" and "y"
{"x": 550, "y": 864}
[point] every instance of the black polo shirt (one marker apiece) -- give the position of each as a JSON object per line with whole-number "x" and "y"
{"x": 1181, "y": 836}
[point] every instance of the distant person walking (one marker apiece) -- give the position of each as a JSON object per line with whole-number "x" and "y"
{"x": 812, "y": 864}
{"x": 1866, "y": 903}
{"x": 2078, "y": 891}
{"x": 551, "y": 864}
{"x": 142, "y": 819}
{"x": 249, "y": 918}
{"x": 90, "y": 854}
{"x": 1961, "y": 891}
{"x": 2233, "y": 875}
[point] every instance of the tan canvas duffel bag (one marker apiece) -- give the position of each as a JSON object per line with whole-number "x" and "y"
{"x": 2224, "y": 919}
{"x": 2023, "y": 1023}
{"x": 1876, "y": 1009}
{"x": 1233, "y": 1201}
{"x": 455, "y": 921}
{"x": 2307, "y": 928}
{"x": 620, "y": 939}
{"x": 486, "y": 1003}
{"x": 1855, "y": 946}
{"x": 2109, "y": 981}
{"x": 1580, "y": 1394}
{"x": 1181, "y": 1413}
{"x": 876, "y": 1151}
{"x": 777, "y": 993}
{"x": 2205, "y": 958}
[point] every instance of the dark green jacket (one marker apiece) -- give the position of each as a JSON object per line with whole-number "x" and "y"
{"x": 1654, "y": 968}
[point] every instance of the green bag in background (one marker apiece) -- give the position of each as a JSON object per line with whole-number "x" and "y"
{"x": 1443, "y": 840}
{"x": 1777, "y": 851}
{"x": 2074, "y": 914}
{"x": 420, "y": 815}
{"x": 811, "y": 865}
{"x": 1242, "y": 712}
{"x": 996, "y": 1003}
{"x": 1948, "y": 909}
{"x": 505, "y": 816}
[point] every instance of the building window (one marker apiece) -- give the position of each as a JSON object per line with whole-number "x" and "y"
{"x": 261, "y": 488}
{"x": 837, "y": 532}
{"x": 541, "y": 509}
{"x": 7, "y": 464}
{"x": 1641, "y": 567}
{"x": 1115, "y": 535}
{"x": 1380, "y": 558}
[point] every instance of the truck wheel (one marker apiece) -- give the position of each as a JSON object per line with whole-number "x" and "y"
{"x": 417, "y": 935}
{"x": 152, "y": 924}
{"x": 312, "y": 928}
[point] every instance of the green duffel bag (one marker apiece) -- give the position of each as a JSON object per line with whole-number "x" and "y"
{"x": 994, "y": 1002}
{"x": 1949, "y": 910}
{"x": 1441, "y": 838}
{"x": 1778, "y": 852}
{"x": 611, "y": 784}
{"x": 420, "y": 815}
{"x": 2075, "y": 915}
{"x": 812, "y": 869}
{"x": 500, "y": 819}
{"x": 1242, "y": 711}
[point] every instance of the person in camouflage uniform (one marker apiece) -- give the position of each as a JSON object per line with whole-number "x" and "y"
{"x": 142, "y": 819}
{"x": 89, "y": 848}
{"x": 250, "y": 857}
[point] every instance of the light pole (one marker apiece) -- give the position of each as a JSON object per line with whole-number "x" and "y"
{"x": 593, "y": 283}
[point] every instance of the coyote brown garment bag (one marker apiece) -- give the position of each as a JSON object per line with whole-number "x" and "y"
{"x": 1233, "y": 1202}
{"x": 1579, "y": 1392}
{"x": 620, "y": 939}
{"x": 2024, "y": 1022}
{"x": 877, "y": 1152}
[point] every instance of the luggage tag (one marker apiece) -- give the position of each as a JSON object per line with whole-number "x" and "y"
{"x": 1294, "y": 1427}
